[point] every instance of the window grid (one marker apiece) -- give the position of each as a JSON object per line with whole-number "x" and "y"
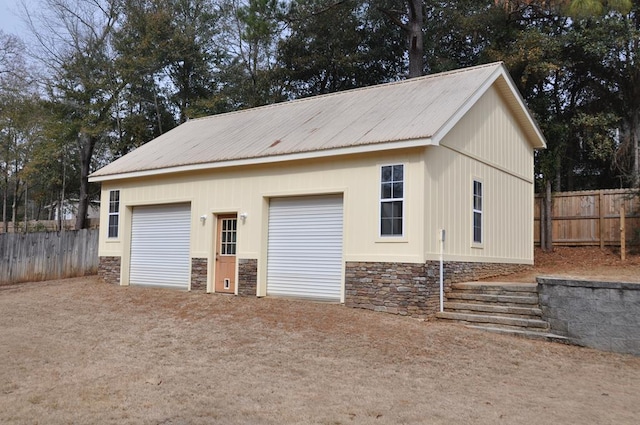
{"x": 477, "y": 212}
{"x": 392, "y": 200}
{"x": 228, "y": 236}
{"x": 114, "y": 213}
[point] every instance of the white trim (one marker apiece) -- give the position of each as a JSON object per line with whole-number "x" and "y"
{"x": 385, "y": 146}
{"x": 116, "y": 214}
{"x": 393, "y": 237}
{"x": 432, "y": 256}
{"x": 474, "y": 211}
{"x": 515, "y": 95}
{"x": 489, "y": 163}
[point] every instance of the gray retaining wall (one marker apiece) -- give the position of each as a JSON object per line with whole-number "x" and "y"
{"x": 602, "y": 315}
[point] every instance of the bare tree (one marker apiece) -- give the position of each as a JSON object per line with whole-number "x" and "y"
{"x": 74, "y": 40}
{"x": 15, "y": 91}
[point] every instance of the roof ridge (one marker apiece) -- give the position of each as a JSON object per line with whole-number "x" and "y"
{"x": 357, "y": 89}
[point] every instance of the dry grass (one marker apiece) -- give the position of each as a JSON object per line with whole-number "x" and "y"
{"x": 582, "y": 263}
{"x": 82, "y": 351}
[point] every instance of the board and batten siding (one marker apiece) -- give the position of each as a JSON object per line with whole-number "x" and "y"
{"x": 248, "y": 190}
{"x": 503, "y": 161}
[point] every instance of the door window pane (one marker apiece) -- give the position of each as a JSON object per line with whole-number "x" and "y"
{"x": 228, "y": 236}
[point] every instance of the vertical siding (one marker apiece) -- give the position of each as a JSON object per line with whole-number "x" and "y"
{"x": 489, "y": 131}
{"x": 245, "y": 189}
{"x": 488, "y": 145}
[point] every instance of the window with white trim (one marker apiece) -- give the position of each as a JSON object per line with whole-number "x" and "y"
{"x": 228, "y": 236}
{"x": 114, "y": 213}
{"x": 391, "y": 200}
{"x": 477, "y": 212}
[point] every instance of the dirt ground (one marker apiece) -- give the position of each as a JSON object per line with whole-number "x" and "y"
{"x": 80, "y": 351}
{"x": 583, "y": 263}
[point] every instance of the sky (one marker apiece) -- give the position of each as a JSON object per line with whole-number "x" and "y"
{"x": 10, "y": 22}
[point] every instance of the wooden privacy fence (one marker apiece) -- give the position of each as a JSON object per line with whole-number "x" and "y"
{"x": 48, "y": 255}
{"x": 46, "y": 225}
{"x": 591, "y": 217}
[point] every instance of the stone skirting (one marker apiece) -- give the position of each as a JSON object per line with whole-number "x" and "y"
{"x": 247, "y": 276}
{"x": 109, "y": 269}
{"x": 602, "y": 315}
{"x": 411, "y": 289}
{"x": 199, "y": 274}
{"x": 459, "y": 271}
{"x": 397, "y": 288}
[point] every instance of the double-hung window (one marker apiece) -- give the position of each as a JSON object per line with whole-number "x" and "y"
{"x": 392, "y": 200}
{"x": 114, "y": 213}
{"x": 477, "y": 212}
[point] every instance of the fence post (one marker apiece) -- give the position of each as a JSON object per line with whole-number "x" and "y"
{"x": 623, "y": 239}
{"x": 601, "y": 220}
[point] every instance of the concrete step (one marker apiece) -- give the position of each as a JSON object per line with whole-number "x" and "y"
{"x": 497, "y": 288}
{"x": 494, "y": 309}
{"x": 493, "y": 298}
{"x": 471, "y": 318}
{"x": 539, "y": 335}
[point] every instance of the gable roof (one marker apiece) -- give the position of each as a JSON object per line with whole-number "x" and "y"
{"x": 415, "y": 112}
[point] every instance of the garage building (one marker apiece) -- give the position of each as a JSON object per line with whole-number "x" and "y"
{"x": 341, "y": 197}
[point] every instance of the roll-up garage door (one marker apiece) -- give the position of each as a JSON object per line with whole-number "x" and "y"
{"x": 160, "y": 249}
{"x": 305, "y": 247}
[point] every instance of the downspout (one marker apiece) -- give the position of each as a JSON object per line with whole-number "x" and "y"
{"x": 441, "y": 238}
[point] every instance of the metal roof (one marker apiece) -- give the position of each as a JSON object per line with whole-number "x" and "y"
{"x": 414, "y": 112}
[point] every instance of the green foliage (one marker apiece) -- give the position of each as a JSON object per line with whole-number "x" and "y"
{"x": 125, "y": 73}
{"x": 590, "y": 8}
{"x": 337, "y": 46}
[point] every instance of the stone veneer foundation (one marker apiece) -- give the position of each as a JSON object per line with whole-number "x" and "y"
{"x": 199, "y": 274}
{"x": 411, "y": 289}
{"x": 109, "y": 269}
{"x": 247, "y": 276}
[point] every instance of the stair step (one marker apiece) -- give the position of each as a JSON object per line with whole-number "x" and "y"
{"x": 496, "y": 287}
{"x": 492, "y": 298}
{"x": 499, "y": 320}
{"x": 495, "y": 309}
{"x": 530, "y": 334}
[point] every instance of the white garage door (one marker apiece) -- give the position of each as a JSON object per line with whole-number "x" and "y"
{"x": 160, "y": 247}
{"x": 305, "y": 247}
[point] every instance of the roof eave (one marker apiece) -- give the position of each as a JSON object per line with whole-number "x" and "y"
{"x": 533, "y": 132}
{"x": 351, "y": 150}
{"x": 536, "y": 138}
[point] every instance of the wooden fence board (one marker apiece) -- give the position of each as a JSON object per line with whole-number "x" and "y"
{"x": 35, "y": 226}
{"x": 48, "y": 255}
{"x": 591, "y": 217}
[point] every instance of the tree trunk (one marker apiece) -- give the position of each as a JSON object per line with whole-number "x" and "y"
{"x": 413, "y": 31}
{"x": 87, "y": 144}
{"x": 415, "y": 38}
{"x": 14, "y": 205}
{"x": 635, "y": 140}
{"x": 5, "y": 222}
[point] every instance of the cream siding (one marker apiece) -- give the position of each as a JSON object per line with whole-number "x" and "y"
{"x": 248, "y": 189}
{"x": 489, "y": 132}
{"x": 489, "y": 142}
{"x": 489, "y": 146}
